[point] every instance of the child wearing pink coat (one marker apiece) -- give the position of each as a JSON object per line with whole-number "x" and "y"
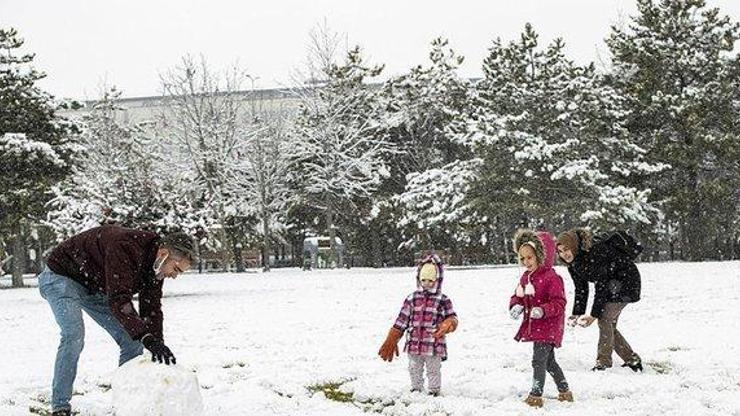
{"x": 540, "y": 299}
{"x": 427, "y": 315}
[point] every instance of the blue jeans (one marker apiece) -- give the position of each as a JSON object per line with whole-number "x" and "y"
{"x": 68, "y": 299}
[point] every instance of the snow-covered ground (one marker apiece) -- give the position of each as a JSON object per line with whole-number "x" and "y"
{"x": 258, "y": 341}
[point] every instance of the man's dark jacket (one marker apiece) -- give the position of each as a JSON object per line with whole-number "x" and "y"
{"x": 118, "y": 262}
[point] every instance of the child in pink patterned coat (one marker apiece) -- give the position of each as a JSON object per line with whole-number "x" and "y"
{"x": 427, "y": 315}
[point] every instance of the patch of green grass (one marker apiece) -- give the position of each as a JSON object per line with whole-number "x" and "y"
{"x": 374, "y": 404}
{"x": 661, "y": 367}
{"x": 41, "y": 398}
{"x": 43, "y": 411}
{"x": 42, "y": 405}
{"x": 332, "y": 392}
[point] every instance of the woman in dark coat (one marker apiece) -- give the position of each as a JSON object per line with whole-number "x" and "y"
{"x": 608, "y": 261}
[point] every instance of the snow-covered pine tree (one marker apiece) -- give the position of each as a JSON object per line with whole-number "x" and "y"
{"x": 554, "y": 142}
{"x": 420, "y": 105}
{"x": 677, "y": 66}
{"x": 35, "y": 146}
{"x": 340, "y": 157}
{"x": 430, "y": 176}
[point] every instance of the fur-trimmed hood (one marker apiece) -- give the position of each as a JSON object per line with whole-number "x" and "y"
{"x": 543, "y": 243}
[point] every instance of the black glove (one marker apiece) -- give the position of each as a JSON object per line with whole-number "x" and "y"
{"x": 159, "y": 351}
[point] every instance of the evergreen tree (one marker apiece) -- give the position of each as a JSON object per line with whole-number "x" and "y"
{"x": 340, "y": 158}
{"x": 35, "y": 146}
{"x": 427, "y": 177}
{"x": 675, "y": 64}
{"x": 556, "y": 151}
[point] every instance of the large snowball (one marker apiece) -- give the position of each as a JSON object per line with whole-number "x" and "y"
{"x": 143, "y": 388}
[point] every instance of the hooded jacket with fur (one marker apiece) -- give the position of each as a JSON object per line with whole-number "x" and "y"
{"x": 422, "y": 312}
{"x": 549, "y": 294}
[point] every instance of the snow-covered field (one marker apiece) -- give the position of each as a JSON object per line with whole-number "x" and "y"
{"x": 258, "y": 341}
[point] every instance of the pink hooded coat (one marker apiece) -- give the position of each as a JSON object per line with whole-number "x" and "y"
{"x": 421, "y": 314}
{"x": 549, "y": 294}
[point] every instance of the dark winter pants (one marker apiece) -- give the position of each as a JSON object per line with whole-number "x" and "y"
{"x": 610, "y": 339}
{"x": 543, "y": 361}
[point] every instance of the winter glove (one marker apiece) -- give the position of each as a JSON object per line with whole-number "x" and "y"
{"x": 515, "y": 311}
{"x": 586, "y": 320}
{"x": 537, "y": 313}
{"x": 390, "y": 346}
{"x": 160, "y": 352}
{"x": 573, "y": 319}
{"x": 447, "y": 326}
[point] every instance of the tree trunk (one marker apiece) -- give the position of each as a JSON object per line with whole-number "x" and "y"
{"x": 696, "y": 238}
{"x": 376, "y": 251}
{"x": 332, "y": 236}
{"x": 305, "y": 262}
{"x": 198, "y": 253}
{"x": 39, "y": 248}
{"x": 266, "y": 242}
{"x": 19, "y": 258}
{"x": 236, "y": 250}
{"x": 4, "y": 254}
{"x": 225, "y": 257}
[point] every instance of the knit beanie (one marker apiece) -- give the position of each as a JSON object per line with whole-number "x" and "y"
{"x": 428, "y": 271}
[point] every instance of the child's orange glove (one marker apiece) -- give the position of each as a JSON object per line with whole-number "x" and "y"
{"x": 447, "y": 326}
{"x": 390, "y": 346}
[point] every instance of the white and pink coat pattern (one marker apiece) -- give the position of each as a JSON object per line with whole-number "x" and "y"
{"x": 422, "y": 312}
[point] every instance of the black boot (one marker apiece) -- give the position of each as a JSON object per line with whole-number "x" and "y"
{"x": 635, "y": 364}
{"x": 599, "y": 367}
{"x": 64, "y": 412}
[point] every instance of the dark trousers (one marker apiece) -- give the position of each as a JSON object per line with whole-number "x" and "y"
{"x": 543, "y": 361}
{"x": 610, "y": 339}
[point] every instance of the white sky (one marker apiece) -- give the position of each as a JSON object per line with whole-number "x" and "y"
{"x": 83, "y": 44}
